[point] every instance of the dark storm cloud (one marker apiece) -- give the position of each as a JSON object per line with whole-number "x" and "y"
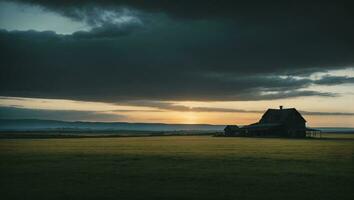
{"x": 68, "y": 115}
{"x": 202, "y": 50}
{"x": 196, "y": 9}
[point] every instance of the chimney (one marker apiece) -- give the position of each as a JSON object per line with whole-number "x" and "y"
{"x": 281, "y": 107}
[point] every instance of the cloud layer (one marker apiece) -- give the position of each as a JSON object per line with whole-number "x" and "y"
{"x": 67, "y": 115}
{"x": 122, "y": 115}
{"x": 180, "y": 50}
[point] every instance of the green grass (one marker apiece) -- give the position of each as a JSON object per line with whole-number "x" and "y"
{"x": 177, "y": 167}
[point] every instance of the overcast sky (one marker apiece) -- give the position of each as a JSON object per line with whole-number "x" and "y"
{"x": 176, "y": 61}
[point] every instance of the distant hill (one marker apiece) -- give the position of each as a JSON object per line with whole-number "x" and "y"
{"x": 13, "y": 125}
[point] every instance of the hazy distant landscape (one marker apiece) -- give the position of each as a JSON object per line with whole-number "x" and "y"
{"x": 52, "y": 125}
{"x": 35, "y": 125}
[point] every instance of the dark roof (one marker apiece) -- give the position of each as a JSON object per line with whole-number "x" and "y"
{"x": 275, "y": 116}
{"x": 231, "y": 127}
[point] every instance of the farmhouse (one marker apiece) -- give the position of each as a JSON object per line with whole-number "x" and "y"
{"x": 274, "y": 122}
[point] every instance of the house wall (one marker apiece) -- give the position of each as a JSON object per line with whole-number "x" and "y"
{"x": 281, "y": 131}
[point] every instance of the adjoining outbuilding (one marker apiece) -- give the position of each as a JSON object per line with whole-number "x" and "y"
{"x": 275, "y": 122}
{"x": 231, "y": 130}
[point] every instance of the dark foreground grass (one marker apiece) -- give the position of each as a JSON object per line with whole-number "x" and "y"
{"x": 177, "y": 167}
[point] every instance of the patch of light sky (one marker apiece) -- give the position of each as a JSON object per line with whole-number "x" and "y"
{"x": 348, "y": 72}
{"x": 118, "y": 17}
{"x": 24, "y": 17}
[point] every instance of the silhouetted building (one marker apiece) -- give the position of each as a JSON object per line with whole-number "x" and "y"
{"x": 275, "y": 122}
{"x": 231, "y": 130}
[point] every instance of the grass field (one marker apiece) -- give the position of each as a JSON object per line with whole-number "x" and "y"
{"x": 177, "y": 167}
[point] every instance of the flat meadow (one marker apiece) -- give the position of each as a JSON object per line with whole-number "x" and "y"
{"x": 178, "y": 167}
